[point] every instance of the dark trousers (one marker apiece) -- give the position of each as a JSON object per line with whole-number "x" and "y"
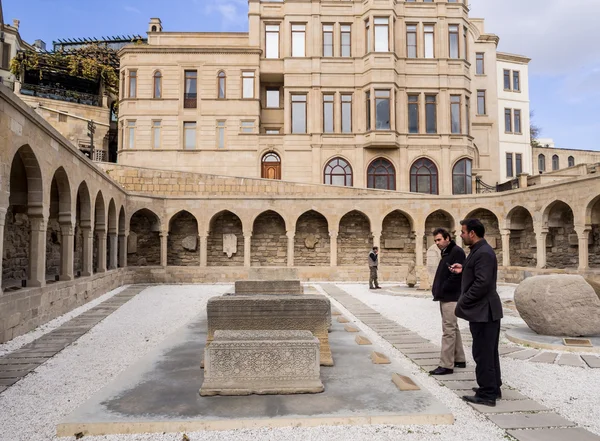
{"x": 486, "y": 337}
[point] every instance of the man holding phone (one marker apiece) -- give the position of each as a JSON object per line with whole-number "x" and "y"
{"x": 446, "y": 290}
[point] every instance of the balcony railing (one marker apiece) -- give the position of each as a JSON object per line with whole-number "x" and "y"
{"x": 59, "y": 94}
{"x": 482, "y": 187}
{"x": 190, "y": 100}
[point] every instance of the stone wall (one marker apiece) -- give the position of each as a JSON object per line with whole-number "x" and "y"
{"x": 594, "y": 247}
{"x": 53, "y": 241}
{"x": 225, "y": 223}
{"x": 492, "y": 230}
{"x": 437, "y": 219}
{"x": 354, "y": 239}
{"x": 147, "y": 242}
{"x": 562, "y": 249}
{"x": 523, "y": 246}
{"x": 95, "y": 252}
{"x": 269, "y": 241}
{"x": 15, "y": 260}
{"x": 312, "y": 241}
{"x": 78, "y": 252}
{"x": 397, "y": 240}
{"x": 183, "y": 228}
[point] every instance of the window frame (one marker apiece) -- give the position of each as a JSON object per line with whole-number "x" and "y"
{"x": 467, "y": 176}
{"x": 292, "y": 32}
{"x": 452, "y": 106}
{"x": 477, "y": 64}
{"x": 350, "y": 102}
{"x": 349, "y": 32}
{"x": 348, "y": 175}
{"x": 190, "y": 102}
{"x": 391, "y": 177}
{"x": 409, "y": 31}
{"x": 450, "y": 33}
{"x": 331, "y": 33}
{"x": 414, "y": 171}
{"x": 278, "y": 33}
{"x": 157, "y": 76}
{"x": 328, "y": 100}
{"x": 243, "y": 78}
{"x": 221, "y": 76}
{"x": 416, "y": 102}
{"x": 305, "y": 95}
{"x": 133, "y": 77}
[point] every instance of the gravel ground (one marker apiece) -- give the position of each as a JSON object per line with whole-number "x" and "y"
{"x": 571, "y": 392}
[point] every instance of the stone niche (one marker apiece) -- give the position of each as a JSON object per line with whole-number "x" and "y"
{"x": 262, "y": 362}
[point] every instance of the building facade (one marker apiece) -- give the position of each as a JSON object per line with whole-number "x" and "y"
{"x": 376, "y": 94}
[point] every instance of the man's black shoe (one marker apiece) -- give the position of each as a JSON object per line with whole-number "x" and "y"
{"x": 460, "y": 364}
{"x": 378, "y": 287}
{"x": 499, "y": 395}
{"x": 477, "y": 400}
{"x": 441, "y": 371}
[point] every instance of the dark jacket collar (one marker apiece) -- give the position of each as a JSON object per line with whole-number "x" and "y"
{"x": 478, "y": 245}
{"x": 449, "y": 248}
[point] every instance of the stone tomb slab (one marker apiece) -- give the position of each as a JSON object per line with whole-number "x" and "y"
{"x": 159, "y": 393}
{"x": 268, "y": 287}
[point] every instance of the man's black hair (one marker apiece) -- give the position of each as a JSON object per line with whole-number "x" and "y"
{"x": 474, "y": 225}
{"x": 445, "y": 234}
{"x": 375, "y": 248}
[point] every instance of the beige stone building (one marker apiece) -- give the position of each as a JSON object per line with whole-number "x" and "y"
{"x": 550, "y": 159}
{"x": 377, "y": 94}
{"x": 10, "y": 44}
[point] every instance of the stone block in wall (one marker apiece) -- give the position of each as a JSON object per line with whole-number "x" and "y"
{"x": 190, "y": 243}
{"x": 394, "y": 244}
{"x": 573, "y": 240}
{"x": 492, "y": 241}
{"x": 132, "y": 241}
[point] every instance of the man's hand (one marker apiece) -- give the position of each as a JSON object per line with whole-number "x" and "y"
{"x": 456, "y": 268}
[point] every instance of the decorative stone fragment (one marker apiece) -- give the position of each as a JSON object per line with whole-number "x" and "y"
{"x": 404, "y": 383}
{"x": 361, "y": 340}
{"x": 434, "y": 255}
{"x": 229, "y": 245}
{"x": 132, "y": 241}
{"x": 190, "y": 243}
{"x": 350, "y": 328}
{"x": 379, "y": 358}
{"x": 262, "y": 362}
{"x": 342, "y": 319}
{"x": 268, "y": 287}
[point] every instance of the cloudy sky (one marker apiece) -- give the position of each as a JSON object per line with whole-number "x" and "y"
{"x": 559, "y": 35}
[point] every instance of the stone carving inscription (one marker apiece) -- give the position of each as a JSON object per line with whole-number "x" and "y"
{"x": 229, "y": 244}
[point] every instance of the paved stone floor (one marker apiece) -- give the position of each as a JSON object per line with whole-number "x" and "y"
{"x": 523, "y": 418}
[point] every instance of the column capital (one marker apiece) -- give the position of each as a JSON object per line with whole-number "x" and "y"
{"x": 582, "y": 230}
{"x": 163, "y": 234}
{"x": 505, "y": 232}
{"x": 38, "y": 223}
{"x": 541, "y": 231}
{"x": 247, "y": 234}
{"x": 67, "y": 229}
{"x": 290, "y": 234}
{"x": 333, "y": 233}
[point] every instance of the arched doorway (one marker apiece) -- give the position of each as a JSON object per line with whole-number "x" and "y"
{"x": 269, "y": 240}
{"x": 271, "y": 166}
{"x": 562, "y": 243}
{"x": 397, "y": 239}
{"x": 522, "y": 238}
{"x": 311, "y": 242}
{"x": 143, "y": 243}
{"x": 437, "y": 219}
{"x": 182, "y": 244}
{"x": 225, "y": 240}
{"x": 354, "y": 239}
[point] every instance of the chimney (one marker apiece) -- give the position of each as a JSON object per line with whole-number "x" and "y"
{"x": 40, "y": 45}
{"x": 16, "y": 23}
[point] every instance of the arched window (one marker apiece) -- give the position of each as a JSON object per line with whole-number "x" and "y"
{"x": 461, "y": 177}
{"x": 571, "y": 161}
{"x": 424, "y": 177}
{"x": 222, "y": 79}
{"x": 157, "y": 84}
{"x": 271, "y": 166}
{"x": 541, "y": 163}
{"x": 338, "y": 172}
{"x": 381, "y": 174}
{"x": 555, "y": 162}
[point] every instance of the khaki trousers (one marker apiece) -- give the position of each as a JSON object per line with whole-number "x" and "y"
{"x": 373, "y": 283}
{"x": 452, "y": 347}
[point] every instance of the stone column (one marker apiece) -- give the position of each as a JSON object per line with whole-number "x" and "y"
{"x": 37, "y": 252}
{"x": 114, "y": 252}
{"x": 419, "y": 235}
{"x": 2, "y": 221}
{"x": 377, "y": 243}
{"x": 290, "y": 247}
{"x": 88, "y": 250}
{"x": 583, "y": 236}
{"x": 203, "y": 250}
{"x": 123, "y": 250}
{"x": 163, "y": 248}
{"x": 541, "y": 247}
{"x": 333, "y": 235}
{"x": 505, "y": 247}
{"x": 101, "y": 251}
{"x": 247, "y": 247}
{"x": 66, "y": 252}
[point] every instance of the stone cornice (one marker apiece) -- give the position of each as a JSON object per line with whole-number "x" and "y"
{"x": 503, "y": 56}
{"x": 149, "y": 49}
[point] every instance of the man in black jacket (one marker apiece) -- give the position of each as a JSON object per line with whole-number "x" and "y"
{"x": 480, "y": 305}
{"x": 446, "y": 290}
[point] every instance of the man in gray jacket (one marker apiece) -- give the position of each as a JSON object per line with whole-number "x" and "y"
{"x": 373, "y": 262}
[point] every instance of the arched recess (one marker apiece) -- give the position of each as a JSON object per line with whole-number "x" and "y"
{"x": 522, "y": 238}
{"x": 113, "y": 224}
{"x": 122, "y": 227}
{"x": 561, "y": 242}
{"x": 182, "y": 244}
{"x": 397, "y": 239}
{"x": 492, "y": 229}
{"x": 25, "y": 201}
{"x": 354, "y": 239}
{"x": 99, "y": 231}
{"x": 311, "y": 243}
{"x": 381, "y": 174}
{"x": 269, "y": 240}
{"x": 594, "y": 238}
{"x": 59, "y": 218}
{"x": 143, "y": 242}
{"x": 83, "y": 216}
{"x": 437, "y": 219}
{"x": 225, "y": 240}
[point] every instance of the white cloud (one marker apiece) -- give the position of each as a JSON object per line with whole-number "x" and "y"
{"x": 233, "y": 13}
{"x": 129, "y": 8}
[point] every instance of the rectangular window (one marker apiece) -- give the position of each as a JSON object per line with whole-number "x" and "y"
{"x": 413, "y": 114}
{"x": 156, "y": 125}
{"x": 346, "y": 40}
{"x": 481, "y": 102}
{"x": 248, "y": 85}
{"x": 220, "y": 134}
{"x": 367, "y": 36}
{"x": 508, "y": 120}
{"x": 328, "y": 101}
{"x": 518, "y": 121}
{"x": 506, "y": 79}
{"x": 516, "y": 81}
{"x": 411, "y": 41}
{"x": 382, "y": 36}
{"x": 453, "y": 41}
{"x": 298, "y": 40}
{"x": 519, "y": 163}
{"x": 273, "y": 98}
{"x": 382, "y": 110}
{"x": 132, "y": 83}
{"x": 272, "y": 41}
{"x": 480, "y": 64}
{"x": 247, "y": 127}
{"x": 189, "y": 135}
{"x": 328, "y": 40}
{"x": 190, "y": 97}
{"x": 509, "y": 165}
{"x": 131, "y": 133}
{"x": 347, "y": 113}
{"x": 272, "y": 131}
{"x": 299, "y": 114}
{"x": 430, "y": 114}
{"x": 6, "y": 55}
{"x": 429, "y": 41}
{"x": 455, "y": 114}
{"x": 466, "y": 43}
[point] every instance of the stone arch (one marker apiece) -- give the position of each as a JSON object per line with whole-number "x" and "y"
{"x": 522, "y": 244}
{"x": 437, "y": 219}
{"x": 312, "y": 243}
{"x": 492, "y": 229}
{"x": 99, "y": 232}
{"x": 83, "y": 216}
{"x": 25, "y": 201}
{"x": 59, "y": 219}
{"x": 593, "y": 222}
{"x": 354, "y": 238}
{"x": 561, "y": 242}
{"x": 269, "y": 240}
{"x": 182, "y": 243}
{"x": 222, "y": 251}
{"x": 143, "y": 242}
{"x": 397, "y": 239}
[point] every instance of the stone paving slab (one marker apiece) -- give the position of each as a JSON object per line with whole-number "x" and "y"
{"x": 20, "y": 361}
{"x": 14, "y": 374}
{"x": 530, "y": 421}
{"x": 461, "y": 376}
{"x": 457, "y": 385}
{"x": 507, "y": 395}
{"x": 524, "y": 355}
{"x": 421, "y": 349}
{"x": 17, "y": 367}
{"x": 545, "y": 357}
{"x": 424, "y": 355}
{"x": 570, "y": 360}
{"x": 553, "y": 435}
{"x": 505, "y": 350}
{"x": 8, "y": 381}
{"x": 592, "y": 361}
{"x": 510, "y": 406}
{"x": 426, "y": 361}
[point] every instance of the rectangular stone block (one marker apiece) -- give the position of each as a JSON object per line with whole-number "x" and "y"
{"x": 268, "y": 287}
{"x": 362, "y": 340}
{"x": 350, "y": 328}
{"x": 342, "y": 319}
{"x": 530, "y": 421}
{"x": 404, "y": 383}
{"x": 379, "y": 358}
{"x": 255, "y": 273}
{"x": 553, "y": 435}
{"x": 261, "y": 362}
{"x": 274, "y": 313}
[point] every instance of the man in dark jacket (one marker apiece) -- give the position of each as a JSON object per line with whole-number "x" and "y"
{"x": 446, "y": 290}
{"x": 373, "y": 262}
{"x": 480, "y": 305}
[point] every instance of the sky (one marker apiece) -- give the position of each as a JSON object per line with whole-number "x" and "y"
{"x": 560, "y": 36}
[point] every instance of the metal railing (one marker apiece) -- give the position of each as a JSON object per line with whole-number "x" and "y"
{"x": 190, "y": 100}
{"x": 482, "y": 187}
{"x": 59, "y": 94}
